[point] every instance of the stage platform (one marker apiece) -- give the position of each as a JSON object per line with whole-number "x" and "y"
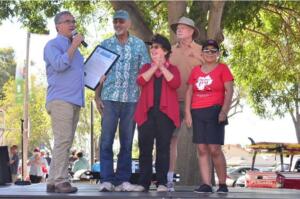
{"x": 91, "y": 191}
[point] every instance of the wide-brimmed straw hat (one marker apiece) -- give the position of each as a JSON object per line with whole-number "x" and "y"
{"x": 189, "y": 22}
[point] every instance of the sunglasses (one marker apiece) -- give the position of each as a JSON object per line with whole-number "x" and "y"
{"x": 68, "y": 22}
{"x": 210, "y": 51}
{"x": 121, "y": 21}
{"x": 155, "y": 46}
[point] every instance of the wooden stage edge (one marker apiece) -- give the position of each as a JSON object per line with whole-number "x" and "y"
{"x": 91, "y": 191}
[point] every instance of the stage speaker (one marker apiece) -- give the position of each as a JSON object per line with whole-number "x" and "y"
{"x": 5, "y": 174}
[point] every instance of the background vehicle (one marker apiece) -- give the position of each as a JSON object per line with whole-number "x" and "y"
{"x": 286, "y": 167}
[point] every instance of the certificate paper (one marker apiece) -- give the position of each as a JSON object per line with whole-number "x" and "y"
{"x": 97, "y": 64}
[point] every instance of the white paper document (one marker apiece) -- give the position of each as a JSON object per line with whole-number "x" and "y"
{"x": 98, "y": 64}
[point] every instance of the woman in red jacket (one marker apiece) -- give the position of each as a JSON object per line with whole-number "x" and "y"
{"x": 157, "y": 112}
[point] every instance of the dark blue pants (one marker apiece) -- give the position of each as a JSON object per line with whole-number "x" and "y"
{"x": 116, "y": 114}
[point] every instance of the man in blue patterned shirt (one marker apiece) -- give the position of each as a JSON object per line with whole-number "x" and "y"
{"x": 116, "y": 101}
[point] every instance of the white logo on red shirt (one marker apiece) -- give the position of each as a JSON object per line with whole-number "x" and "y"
{"x": 202, "y": 82}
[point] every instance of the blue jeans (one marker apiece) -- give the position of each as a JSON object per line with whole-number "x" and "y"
{"x": 115, "y": 113}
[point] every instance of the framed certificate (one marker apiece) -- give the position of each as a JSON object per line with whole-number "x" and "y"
{"x": 97, "y": 64}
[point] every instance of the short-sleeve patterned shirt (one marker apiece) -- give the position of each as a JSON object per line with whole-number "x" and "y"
{"x": 120, "y": 84}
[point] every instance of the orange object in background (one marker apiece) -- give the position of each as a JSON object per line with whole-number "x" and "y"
{"x": 257, "y": 179}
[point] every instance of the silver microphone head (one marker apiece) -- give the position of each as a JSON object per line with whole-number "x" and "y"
{"x": 74, "y": 32}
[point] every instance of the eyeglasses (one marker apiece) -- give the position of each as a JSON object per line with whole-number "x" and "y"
{"x": 210, "y": 51}
{"x": 121, "y": 21}
{"x": 155, "y": 46}
{"x": 68, "y": 22}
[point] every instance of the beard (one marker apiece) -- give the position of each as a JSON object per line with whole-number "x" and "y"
{"x": 120, "y": 32}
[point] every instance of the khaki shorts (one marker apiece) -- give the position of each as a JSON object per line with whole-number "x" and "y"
{"x": 182, "y": 126}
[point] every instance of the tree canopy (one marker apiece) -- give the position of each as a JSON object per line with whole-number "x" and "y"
{"x": 7, "y": 67}
{"x": 266, "y": 61}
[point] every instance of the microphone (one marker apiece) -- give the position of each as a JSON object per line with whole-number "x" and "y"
{"x": 74, "y": 32}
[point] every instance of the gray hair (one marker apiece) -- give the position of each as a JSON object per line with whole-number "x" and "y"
{"x": 59, "y": 15}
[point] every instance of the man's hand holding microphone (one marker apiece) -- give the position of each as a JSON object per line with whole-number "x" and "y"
{"x": 77, "y": 39}
{"x": 74, "y": 33}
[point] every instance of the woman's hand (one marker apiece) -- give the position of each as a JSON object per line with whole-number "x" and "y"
{"x": 187, "y": 108}
{"x": 222, "y": 116}
{"x": 188, "y": 120}
{"x": 158, "y": 61}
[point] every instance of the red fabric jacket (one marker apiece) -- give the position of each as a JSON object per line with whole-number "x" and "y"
{"x": 168, "y": 99}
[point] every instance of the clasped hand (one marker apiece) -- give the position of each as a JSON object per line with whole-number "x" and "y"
{"x": 158, "y": 62}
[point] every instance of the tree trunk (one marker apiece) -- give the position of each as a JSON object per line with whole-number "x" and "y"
{"x": 296, "y": 121}
{"x": 214, "y": 30}
{"x": 295, "y": 115}
{"x": 187, "y": 161}
{"x": 176, "y": 9}
{"x": 198, "y": 12}
{"x": 139, "y": 27}
{"x": 297, "y": 127}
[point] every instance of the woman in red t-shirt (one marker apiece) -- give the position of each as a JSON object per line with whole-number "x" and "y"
{"x": 208, "y": 100}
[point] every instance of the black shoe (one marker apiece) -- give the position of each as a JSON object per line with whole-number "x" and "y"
{"x": 204, "y": 189}
{"x": 222, "y": 188}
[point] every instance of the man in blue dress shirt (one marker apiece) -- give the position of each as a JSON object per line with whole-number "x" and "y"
{"x": 116, "y": 101}
{"x": 65, "y": 97}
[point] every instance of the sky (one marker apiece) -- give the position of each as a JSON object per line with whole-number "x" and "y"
{"x": 241, "y": 126}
